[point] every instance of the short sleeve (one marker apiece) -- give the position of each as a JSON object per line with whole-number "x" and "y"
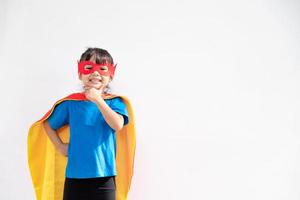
{"x": 118, "y": 105}
{"x": 60, "y": 116}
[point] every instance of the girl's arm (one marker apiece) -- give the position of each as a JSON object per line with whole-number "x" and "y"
{"x": 62, "y": 147}
{"x": 114, "y": 120}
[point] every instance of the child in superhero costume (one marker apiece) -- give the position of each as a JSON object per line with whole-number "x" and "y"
{"x": 83, "y": 147}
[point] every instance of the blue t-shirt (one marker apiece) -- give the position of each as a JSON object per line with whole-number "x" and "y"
{"x": 92, "y": 146}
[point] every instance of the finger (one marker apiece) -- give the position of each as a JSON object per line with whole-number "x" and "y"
{"x": 86, "y": 88}
{"x": 101, "y": 88}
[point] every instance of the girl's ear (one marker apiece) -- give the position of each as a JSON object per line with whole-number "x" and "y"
{"x": 79, "y": 76}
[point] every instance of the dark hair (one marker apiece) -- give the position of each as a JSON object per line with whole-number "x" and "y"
{"x": 102, "y": 57}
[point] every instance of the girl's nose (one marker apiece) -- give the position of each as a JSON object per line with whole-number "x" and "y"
{"x": 95, "y": 73}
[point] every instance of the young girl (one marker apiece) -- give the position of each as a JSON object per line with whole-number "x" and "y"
{"x": 95, "y": 119}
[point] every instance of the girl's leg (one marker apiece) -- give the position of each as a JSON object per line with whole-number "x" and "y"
{"x": 104, "y": 188}
{"x": 75, "y": 189}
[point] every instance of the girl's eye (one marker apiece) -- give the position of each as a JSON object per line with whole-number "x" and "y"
{"x": 87, "y": 67}
{"x": 103, "y": 68}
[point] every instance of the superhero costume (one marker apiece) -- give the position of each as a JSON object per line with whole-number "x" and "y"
{"x": 47, "y": 165}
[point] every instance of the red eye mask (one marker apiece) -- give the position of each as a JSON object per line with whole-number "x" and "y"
{"x": 87, "y": 67}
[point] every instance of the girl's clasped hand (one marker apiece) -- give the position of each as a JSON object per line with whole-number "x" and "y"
{"x": 93, "y": 94}
{"x": 63, "y": 149}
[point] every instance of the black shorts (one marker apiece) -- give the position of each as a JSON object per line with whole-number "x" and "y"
{"x": 102, "y": 188}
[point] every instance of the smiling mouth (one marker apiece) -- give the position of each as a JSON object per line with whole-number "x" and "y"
{"x": 95, "y": 81}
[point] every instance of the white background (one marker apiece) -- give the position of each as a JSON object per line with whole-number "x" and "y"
{"x": 214, "y": 85}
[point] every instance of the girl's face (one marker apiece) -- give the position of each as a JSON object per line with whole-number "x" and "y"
{"x": 95, "y": 79}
